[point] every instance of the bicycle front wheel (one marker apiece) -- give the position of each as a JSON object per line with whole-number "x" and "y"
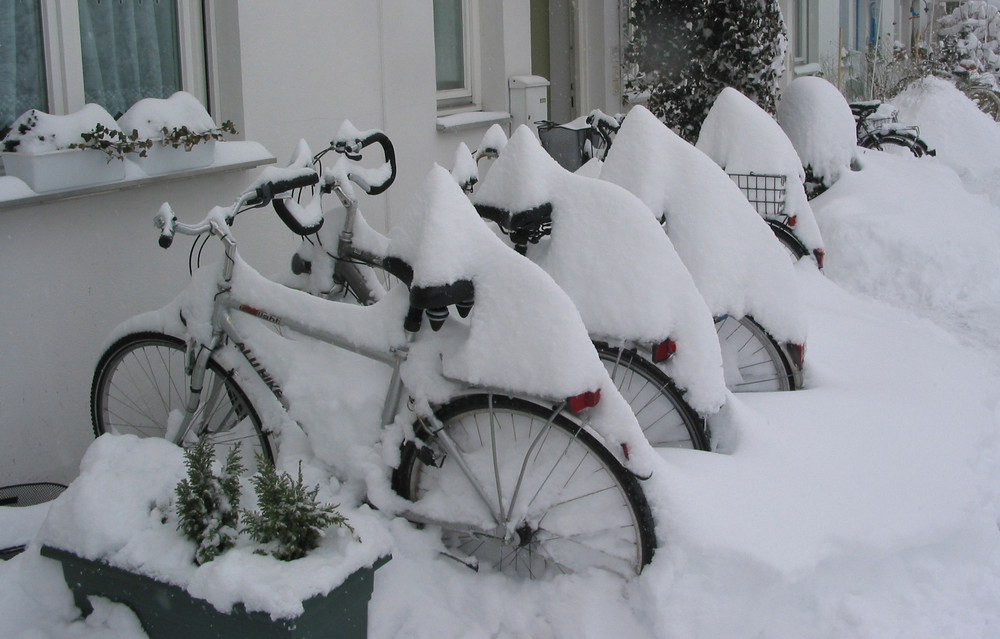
{"x": 751, "y": 360}
{"x": 665, "y": 417}
{"x": 140, "y": 383}
{"x": 524, "y": 491}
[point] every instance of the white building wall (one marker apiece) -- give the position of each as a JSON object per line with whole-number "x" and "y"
{"x": 74, "y": 269}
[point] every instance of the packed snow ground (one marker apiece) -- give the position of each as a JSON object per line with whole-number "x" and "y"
{"x": 865, "y": 505}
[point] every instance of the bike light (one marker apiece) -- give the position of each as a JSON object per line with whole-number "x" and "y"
{"x": 664, "y": 350}
{"x": 792, "y": 220}
{"x": 589, "y": 399}
{"x": 819, "y": 254}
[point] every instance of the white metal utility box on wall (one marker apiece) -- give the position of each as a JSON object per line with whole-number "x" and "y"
{"x": 529, "y": 102}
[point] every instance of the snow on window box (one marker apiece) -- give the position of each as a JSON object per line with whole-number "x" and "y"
{"x": 182, "y": 132}
{"x": 40, "y": 151}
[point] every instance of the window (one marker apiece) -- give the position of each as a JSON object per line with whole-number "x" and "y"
{"x": 455, "y": 53}
{"x": 22, "y": 60}
{"x": 112, "y": 52}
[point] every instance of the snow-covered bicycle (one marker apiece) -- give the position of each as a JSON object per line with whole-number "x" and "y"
{"x": 350, "y": 265}
{"x": 514, "y": 480}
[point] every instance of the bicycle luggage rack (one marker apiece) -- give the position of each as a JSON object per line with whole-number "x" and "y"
{"x": 765, "y": 191}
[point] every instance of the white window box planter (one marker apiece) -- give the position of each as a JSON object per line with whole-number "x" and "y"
{"x": 161, "y": 160}
{"x": 63, "y": 169}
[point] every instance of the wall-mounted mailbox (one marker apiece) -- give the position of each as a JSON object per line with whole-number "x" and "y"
{"x": 529, "y": 102}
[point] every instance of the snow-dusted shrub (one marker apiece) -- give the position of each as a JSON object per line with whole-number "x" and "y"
{"x": 291, "y": 521}
{"x": 683, "y": 52}
{"x": 742, "y": 138}
{"x": 973, "y": 29}
{"x": 818, "y": 121}
{"x": 208, "y": 504}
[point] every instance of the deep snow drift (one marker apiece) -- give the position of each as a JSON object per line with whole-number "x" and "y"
{"x": 863, "y": 506}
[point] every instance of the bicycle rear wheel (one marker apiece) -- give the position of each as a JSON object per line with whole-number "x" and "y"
{"x": 140, "y": 380}
{"x": 751, "y": 359}
{"x": 896, "y": 144}
{"x": 665, "y": 417}
{"x": 525, "y": 492}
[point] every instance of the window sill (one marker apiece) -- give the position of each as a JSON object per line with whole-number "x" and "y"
{"x": 229, "y": 156}
{"x": 470, "y": 120}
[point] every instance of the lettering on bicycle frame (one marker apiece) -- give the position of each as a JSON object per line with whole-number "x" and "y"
{"x": 248, "y": 354}
{"x": 256, "y": 312}
{"x": 259, "y": 368}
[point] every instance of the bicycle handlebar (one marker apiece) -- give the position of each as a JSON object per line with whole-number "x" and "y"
{"x": 350, "y": 142}
{"x": 219, "y": 218}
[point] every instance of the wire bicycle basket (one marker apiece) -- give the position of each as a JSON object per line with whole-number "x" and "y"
{"x": 765, "y": 191}
{"x": 570, "y": 145}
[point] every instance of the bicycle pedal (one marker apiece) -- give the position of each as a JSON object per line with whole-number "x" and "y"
{"x": 468, "y": 561}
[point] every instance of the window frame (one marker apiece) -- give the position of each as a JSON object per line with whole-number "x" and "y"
{"x": 466, "y": 98}
{"x": 64, "y": 54}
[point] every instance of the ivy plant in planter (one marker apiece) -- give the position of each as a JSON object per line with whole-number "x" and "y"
{"x": 55, "y": 152}
{"x": 182, "y": 132}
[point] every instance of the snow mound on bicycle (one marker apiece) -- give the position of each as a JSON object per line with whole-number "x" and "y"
{"x": 742, "y": 138}
{"x": 523, "y": 333}
{"x": 607, "y": 252}
{"x": 736, "y": 262}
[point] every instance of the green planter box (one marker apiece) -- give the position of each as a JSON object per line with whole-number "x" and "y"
{"x": 168, "y": 611}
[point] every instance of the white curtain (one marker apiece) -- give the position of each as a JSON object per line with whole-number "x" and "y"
{"x": 130, "y": 51}
{"x": 22, "y": 60}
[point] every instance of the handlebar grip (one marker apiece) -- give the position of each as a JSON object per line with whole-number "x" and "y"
{"x": 166, "y": 221}
{"x": 268, "y": 190}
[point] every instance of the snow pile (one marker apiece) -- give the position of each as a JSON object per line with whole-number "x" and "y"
{"x": 965, "y": 138}
{"x": 943, "y": 264}
{"x": 742, "y": 138}
{"x": 734, "y": 258}
{"x": 606, "y": 251}
{"x": 137, "y": 530}
{"x": 150, "y": 116}
{"x": 523, "y": 334}
{"x": 818, "y": 121}
{"x": 39, "y": 132}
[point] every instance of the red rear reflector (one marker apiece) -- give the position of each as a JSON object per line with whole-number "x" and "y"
{"x": 819, "y": 254}
{"x": 625, "y": 450}
{"x": 792, "y": 220}
{"x": 584, "y": 400}
{"x": 664, "y": 350}
{"x": 798, "y": 352}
